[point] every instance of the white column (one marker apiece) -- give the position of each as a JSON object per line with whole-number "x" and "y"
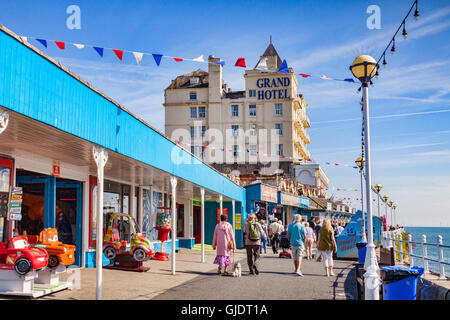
{"x": 100, "y": 157}
{"x": 131, "y": 201}
{"x": 173, "y": 183}
{"x": 440, "y": 250}
{"x": 202, "y": 219}
{"x": 410, "y": 250}
{"x": 424, "y": 254}
{"x": 372, "y": 279}
{"x": 221, "y": 204}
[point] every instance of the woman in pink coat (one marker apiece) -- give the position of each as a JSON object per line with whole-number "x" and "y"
{"x": 223, "y": 235}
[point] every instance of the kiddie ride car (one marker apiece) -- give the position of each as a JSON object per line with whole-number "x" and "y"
{"x": 59, "y": 253}
{"x": 122, "y": 228}
{"x": 19, "y": 255}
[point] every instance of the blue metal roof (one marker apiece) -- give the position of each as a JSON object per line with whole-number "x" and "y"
{"x": 38, "y": 87}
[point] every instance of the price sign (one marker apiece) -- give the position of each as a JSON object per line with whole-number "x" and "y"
{"x": 15, "y": 216}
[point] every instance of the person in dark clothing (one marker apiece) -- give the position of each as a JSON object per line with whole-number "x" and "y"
{"x": 312, "y": 223}
{"x": 317, "y": 229}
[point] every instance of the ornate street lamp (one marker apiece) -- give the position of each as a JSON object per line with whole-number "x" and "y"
{"x": 395, "y": 215}
{"x": 364, "y": 67}
{"x": 378, "y": 187}
{"x": 360, "y": 162}
{"x": 391, "y": 203}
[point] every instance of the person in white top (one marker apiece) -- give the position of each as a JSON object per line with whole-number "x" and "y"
{"x": 275, "y": 230}
{"x": 310, "y": 238}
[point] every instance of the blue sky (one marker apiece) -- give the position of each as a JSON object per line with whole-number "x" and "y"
{"x": 410, "y": 153}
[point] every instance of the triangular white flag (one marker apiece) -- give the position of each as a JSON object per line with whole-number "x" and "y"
{"x": 138, "y": 56}
{"x": 262, "y": 64}
{"x": 79, "y": 46}
{"x": 25, "y": 39}
{"x": 324, "y": 77}
{"x": 199, "y": 59}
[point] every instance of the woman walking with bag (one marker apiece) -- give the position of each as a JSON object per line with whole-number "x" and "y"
{"x": 327, "y": 244}
{"x": 224, "y": 242}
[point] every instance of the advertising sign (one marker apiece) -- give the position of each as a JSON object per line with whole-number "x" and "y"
{"x": 289, "y": 199}
{"x": 238, "y": 221}
{"x": 268, "y": 193}
{"x": 225, "y": 211}
{"x": 304, "y": 202}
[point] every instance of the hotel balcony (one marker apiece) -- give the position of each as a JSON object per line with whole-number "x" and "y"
{"x": 301, "y": 147}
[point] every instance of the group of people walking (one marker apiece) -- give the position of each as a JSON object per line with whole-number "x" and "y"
{"x": 299, "y": 235}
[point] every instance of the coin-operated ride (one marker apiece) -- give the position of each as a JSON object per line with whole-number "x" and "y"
{"x": 59, "y": 253}
{"x": 19, "y": 255}
{"x": 124, "y": 245}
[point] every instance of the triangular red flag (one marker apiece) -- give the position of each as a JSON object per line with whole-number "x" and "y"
{"x": 60, "y": 44}
{"x": 304, "y": 75}
{"x": 119, "y": 53}
{"x": 178, "y": 59}
{"x": 240, "y": 63}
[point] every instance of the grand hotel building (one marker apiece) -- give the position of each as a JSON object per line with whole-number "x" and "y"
{"x": 261, "y": 130}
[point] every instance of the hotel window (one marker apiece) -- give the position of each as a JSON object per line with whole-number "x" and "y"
{"x": 253, "y": 150}
{"x": 252, "y": 110}
{"x": 279, "y": 149}
{"x": 235, "y": 129}
{"x": 193, "y": 95}
{"x": 202, "y": 112}
{"x": 235, "y": 151}
{"x": 252, "y": 93}
{"x": 278, "y": 109}
{"x": 193, "y": 112}
{"x": 193, "y": 132}
{"x": 203, "y": 132}
{"x": 252, "y": 132}
{"x": 234, "y": 110}
{"x": 279, "y": 128}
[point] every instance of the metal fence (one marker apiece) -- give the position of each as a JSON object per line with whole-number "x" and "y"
{"x": 403, "y": 249}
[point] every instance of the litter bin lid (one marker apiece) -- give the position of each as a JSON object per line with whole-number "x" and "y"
{"x": 360, "y": 245}
{"x": 396, "y": 273}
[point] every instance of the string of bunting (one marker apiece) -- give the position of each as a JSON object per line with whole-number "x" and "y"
{"x": 157, "y": 57}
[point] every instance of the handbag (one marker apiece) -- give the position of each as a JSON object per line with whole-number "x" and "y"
{"x": 231, "y": 245}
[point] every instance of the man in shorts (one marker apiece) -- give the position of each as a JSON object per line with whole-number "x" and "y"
{"x": 296, "y": 234}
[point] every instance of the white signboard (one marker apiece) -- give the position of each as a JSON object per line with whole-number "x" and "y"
{"x": 289, "y": 199}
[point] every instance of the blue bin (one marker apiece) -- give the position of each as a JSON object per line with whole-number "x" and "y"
{"x": 361, "y": 251}
{"x": 400, "y": 283}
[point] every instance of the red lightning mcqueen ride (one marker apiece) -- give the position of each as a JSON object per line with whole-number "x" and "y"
{"x": 17, "y": 254}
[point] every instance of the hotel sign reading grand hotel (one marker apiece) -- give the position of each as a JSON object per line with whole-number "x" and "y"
{"x": 274, "y": 88}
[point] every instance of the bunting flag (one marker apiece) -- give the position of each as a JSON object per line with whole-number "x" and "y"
{"x": 60, "y": 44}
{"x": 262, "y": 63}
{"x": 240, "y": 63}
{"x": 157, "y": 58}
{"x": 284, "y": 68}
{"x": 42, "y": 41}
{"x": 119, "y": 53}
{"x": 99, "y": 51}
{"x": 199, "y": 59}
{"x": 138, "y": 56}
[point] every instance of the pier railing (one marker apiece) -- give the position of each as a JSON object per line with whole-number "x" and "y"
{"x": 403, "y": 249}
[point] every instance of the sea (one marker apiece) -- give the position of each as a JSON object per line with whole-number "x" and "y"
{"x": 431, "y": 233}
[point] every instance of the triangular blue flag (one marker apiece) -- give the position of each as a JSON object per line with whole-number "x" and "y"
{"x": 284, "y": 67}
{"x": 222, "y": 63}
{"x": 157, "y": 58}
{"x": 99, "y": 51}
{"x": 222, "y": 149}
{"x": 248, "y": 150}
{"x": 349, "y": 80}
{"x": 43, "y": 42}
